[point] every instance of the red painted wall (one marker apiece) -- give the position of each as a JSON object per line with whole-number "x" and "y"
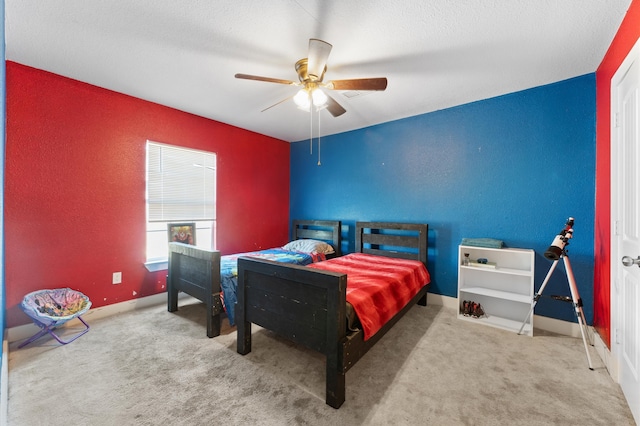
{"x": 624, "y": 40}
{"x": 75, "y": 187}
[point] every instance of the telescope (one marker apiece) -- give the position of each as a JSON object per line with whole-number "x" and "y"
{"x": 556, "y": 251}
{"x": 560, "y": 241}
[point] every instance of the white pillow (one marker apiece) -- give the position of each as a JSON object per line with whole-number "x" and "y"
{"x": 309, "y": 246}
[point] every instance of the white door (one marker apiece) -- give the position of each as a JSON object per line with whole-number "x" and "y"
{"x": 625, "y": 236}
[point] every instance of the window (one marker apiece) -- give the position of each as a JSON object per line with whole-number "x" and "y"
{"x": 181, "y": 187}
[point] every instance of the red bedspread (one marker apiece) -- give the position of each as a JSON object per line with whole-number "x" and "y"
{"x": 378, "y": 287}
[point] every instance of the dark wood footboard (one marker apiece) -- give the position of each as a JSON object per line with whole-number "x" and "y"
{"x": 308, "y": 306}
{"x": 304, "y": 305}
{"x": 196, "y": 272}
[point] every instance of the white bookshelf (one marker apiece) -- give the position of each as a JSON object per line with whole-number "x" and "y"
{"x": 504, "y": 287}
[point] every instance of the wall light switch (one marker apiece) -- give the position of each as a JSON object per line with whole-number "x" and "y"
{"x": 117, "y": 277}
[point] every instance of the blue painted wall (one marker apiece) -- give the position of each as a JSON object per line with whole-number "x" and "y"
{"x": 514, "y": 167}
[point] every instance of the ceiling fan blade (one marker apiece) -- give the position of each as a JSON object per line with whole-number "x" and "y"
{"x": 317, "y": 60}
{"x": 358, "y": 84}
{"x": 277, "y": 103}
{"x": 267, "y": 79}
{"x": 334, "y": 107}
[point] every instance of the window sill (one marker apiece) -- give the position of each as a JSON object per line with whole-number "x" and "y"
{"x": 157, "y": 265}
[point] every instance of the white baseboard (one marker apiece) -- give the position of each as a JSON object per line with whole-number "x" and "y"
{"x": 21, "y": 332}
{"x": 605, "y": 355}
{"x": 440, "y": 300}
{"x": 4, "y": 382}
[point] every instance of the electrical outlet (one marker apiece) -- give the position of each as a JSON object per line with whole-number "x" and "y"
{"x": 117, "y": 277}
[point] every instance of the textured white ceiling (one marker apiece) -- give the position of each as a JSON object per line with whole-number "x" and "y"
{"x": 435, "y": 54}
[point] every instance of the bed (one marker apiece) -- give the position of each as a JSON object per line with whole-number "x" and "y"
{"x": 308, "y": 305}
{"x": 212, "y": 278}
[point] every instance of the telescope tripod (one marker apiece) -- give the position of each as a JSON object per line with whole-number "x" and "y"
{"x": 575, "y": 299}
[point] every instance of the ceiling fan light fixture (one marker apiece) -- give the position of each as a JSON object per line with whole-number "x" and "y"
{"x": 307, "y": 97}
{"x": 302, "y": 99}
{"x": 319, "y": 97}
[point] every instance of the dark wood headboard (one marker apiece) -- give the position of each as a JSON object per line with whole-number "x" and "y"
{"x": 393, "y": 239}
{"x": 329, "y": 231}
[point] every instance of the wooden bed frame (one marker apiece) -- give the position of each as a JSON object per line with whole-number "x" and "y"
{"x": 308, "y": 306}
{"x": 196, "y": 271}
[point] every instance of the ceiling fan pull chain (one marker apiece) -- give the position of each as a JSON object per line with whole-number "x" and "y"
{"x": 310, "y": 134}
{"x": 319, "y": 164}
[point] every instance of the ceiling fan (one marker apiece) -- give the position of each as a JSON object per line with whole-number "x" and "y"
{"x": 310, "y": 72}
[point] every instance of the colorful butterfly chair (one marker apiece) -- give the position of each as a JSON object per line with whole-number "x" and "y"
{"x": 50, "y": 309}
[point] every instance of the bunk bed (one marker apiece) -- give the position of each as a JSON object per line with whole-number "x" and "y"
{"x": 212, "y": 278}
{"x": 309, "y": 304}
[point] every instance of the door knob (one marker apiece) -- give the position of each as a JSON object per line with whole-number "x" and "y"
{"x": 628, "y": 261}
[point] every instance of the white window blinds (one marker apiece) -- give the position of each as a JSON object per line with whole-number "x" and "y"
{"x": 181, "y": 184}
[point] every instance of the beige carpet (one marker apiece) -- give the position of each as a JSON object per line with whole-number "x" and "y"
{"x": 152, "y": 367}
